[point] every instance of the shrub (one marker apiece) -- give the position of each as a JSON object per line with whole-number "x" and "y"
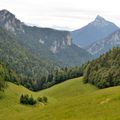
{"x": 25, "y": 99}
{"x": 40, "y": 99}
{"x": 43, "y": 99}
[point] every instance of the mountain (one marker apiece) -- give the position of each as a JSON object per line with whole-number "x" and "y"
{"x": 45, "y": 43}
{"x": 99, "y": 47}
{"x": 26, "y": 65}
{"x": 105, "y": 70}
{"x": 96, "y": 30}
{"x": 35, "y": 53}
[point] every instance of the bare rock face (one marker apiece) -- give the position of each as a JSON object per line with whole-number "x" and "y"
{"x": 57, "y": 42}
{"x": 8, "y": 21}
{"x": 100, "y": 47}
{"x": 61, "y": 44}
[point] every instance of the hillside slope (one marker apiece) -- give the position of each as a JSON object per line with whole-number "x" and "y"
{"x": 71, "y": 100}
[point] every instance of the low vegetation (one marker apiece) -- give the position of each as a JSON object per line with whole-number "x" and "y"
{"x": 25, "y": 99}
{"x": 43, "y": 99}
{"x": 29, "y": 100}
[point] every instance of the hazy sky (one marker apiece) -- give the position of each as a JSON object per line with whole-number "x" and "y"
{"x": 68, "y": 14}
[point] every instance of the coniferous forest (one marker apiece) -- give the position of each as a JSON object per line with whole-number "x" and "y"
{"x": 104, "y": 71}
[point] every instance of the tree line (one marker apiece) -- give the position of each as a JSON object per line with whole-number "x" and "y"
{"x": 54, "y": 77}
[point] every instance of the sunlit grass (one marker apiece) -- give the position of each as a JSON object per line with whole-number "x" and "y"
{"x": 71, "y": 100}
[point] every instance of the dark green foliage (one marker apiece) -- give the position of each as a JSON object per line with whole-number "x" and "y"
{"x": 6, "y": 75}
{"x": 104, "y": 71}
{"x": 25, "y": 99}
{"x": 61, "y": 75}
{"x": 2, "y": 84}
{"x": 43, "y": 99}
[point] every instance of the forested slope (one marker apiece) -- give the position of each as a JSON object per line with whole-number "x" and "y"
{"x": 104, "y": 71}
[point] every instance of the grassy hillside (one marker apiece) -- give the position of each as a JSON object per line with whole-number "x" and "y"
{"x": 71, "y": 100}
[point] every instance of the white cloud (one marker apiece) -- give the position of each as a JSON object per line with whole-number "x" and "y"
{"x": 69, "y": 14}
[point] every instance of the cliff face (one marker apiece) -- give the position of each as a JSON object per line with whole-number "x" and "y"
{"x": 55, "y": 40}
{"x": 102, "y": 46}
{"x": 8, "y": 21}
{"x": 62, "y": 44}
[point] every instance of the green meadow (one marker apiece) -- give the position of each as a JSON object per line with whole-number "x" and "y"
{"x": 70, "y": 100}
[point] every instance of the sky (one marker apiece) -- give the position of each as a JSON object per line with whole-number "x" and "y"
{"x": 62, "y": 14}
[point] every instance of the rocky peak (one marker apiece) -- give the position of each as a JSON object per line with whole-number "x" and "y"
{"x": 5, "y": 14}
{"x": 10, "y": 22}
{"x": 100, "y": 21}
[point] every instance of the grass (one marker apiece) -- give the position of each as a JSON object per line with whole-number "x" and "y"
{"x": 71, "y": 100}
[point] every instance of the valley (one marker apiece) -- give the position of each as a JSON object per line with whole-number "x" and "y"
{"x": 50, "y": 74}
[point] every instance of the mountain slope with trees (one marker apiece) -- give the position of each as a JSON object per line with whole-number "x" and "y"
{"x": 104, "y": 71}
{"x": 33, "y": 72}
{"x": 18, "y": 59}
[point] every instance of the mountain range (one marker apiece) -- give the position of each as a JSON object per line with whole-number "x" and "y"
{"x": 97, "y": 37}
{"x": 49, "y": 44}
{"x": 34, "y": 53}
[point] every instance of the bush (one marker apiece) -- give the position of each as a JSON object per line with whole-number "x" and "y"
{"x": 43, "y": 99}
{"x": 25, "y": 99}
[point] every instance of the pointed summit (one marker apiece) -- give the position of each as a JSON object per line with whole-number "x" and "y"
{"x": 100, "y": 22}
{"x": 96, "y": 30}
{"x": 99, "y": 18}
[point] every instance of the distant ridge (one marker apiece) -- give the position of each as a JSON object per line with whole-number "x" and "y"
{"x": 99, "y": 47}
